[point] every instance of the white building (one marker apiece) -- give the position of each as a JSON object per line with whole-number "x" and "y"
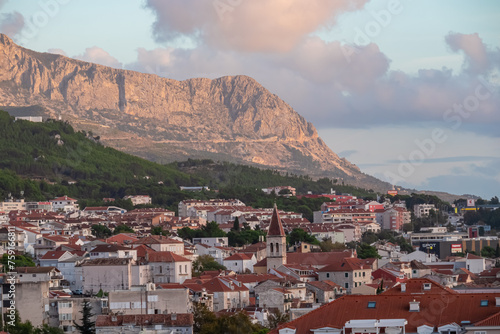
{"x": 422, "y": 210}
{"x": 64, "y": 203}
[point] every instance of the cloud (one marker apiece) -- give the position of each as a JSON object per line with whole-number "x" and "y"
{"x": 11, "y": 23}
{"x": 336, "y": 85}
{"x": 478, "y": 58}
{"x": 57, "y": 51}
{"x": 246, "y": 25}
{"x": 99, "y": 56}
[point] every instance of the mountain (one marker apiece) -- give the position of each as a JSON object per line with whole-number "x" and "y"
{"x": 229, "y": 118}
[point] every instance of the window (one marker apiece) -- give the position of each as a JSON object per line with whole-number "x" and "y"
{"x": 484, "y": 302}
{"x": 355, "y": 274}
{"x": 372, "y": 304}
{"x": 327, "y": 275}
{"x": 272, "y": 248}
{"x": 65, "y": 316}
{"x": 346, "y": 285}
{"x": 277, "y": 248}
{"x": 364, "y": 274}
{"x": 346, "y": 274}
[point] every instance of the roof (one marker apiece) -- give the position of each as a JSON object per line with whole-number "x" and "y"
{"x": 165, "y": 257}
{"x": 106, "y": 262}
{"x": 34, "y": 270}
{"x": 53, "y": 255}
{"x": 276, "y": 227}
{"x": 109, "y": 248}
{"x": 157, "y": 239}
{"x": 238, "y": 256}
{"x": 63, "y": 198}
{"x": 414, "y": 286}
{"x": 347, "y": 264}
{"x": 453, "y": 308}
{"x": 493, "y": 320}
{"x": 473, "y": 257}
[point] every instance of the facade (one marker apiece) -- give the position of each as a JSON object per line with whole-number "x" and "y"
{"x": 350, "y": 273}
{"x": 240, "y": 263}
{"x": 145, "y": 323}
{"x": 168, "y": 267}
{"x": 422, "y": 210}
{"x": 64, "y": 203}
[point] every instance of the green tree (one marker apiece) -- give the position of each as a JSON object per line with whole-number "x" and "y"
{"x": 236, "y": 224}
{"x": 19, "y": 261}
{"x": 327, "y": 245}
{"x": 123, "y": 229}
{"x": 158, "y": 230}
{"x": 488, "y": 251}
{"x": 299, "y": 235}
{"x": 366, "y": 251}
{"x": 205, "y": 263}
{"x": 100, "y": 231}
{"x": 86, "y": 326}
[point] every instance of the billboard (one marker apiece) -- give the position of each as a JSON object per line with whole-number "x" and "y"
{"x": 392, "y": 192}
{"x": 456, "y": 248}
{"x": 430, "y": 247}
{"x": 471, "y": 202}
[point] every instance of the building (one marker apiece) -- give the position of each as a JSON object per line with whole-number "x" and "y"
{"x": 422, "y": 210}
{"x": 349, "y": 273}
{"x": 240, "y": 263}
{"x": 139, "y": 199}
{"x": 168, "y": 267}
{"x": 64, "y": 203}
{"x": 276, "y": 242}
{"x": 145, "y": 323}
{"x": 416, "y": 306}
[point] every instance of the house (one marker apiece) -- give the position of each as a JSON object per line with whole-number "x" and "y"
{"x": 475, "y": 264}
{"x": 168, "y": 267}
{"x": 145, "y": 323}
{"x": 325, "y": 291}
{"x": 240, "y": 262}
{"x": 349, "y": 273}
{"x": 64, "y": 203}
{"x": 276, "y": 298}
{"x": 112, "y": 251}
{"x": 139, "y": 199}
{"x": 52, "y": 275}
{"x": 162, "y": 244}
{"x": 154, "y": 301}
{"x": 52, "y": 258}
{"x": 419, "y": 306}
{"x": 64, "y": 309}
{"x": 106, "y": 274}
{"x": 219, "y": 253}
{"x": 227, "y": 293}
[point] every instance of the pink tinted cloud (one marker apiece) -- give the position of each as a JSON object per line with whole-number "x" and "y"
{"x": 244, "y": 25}
{"x": 477, "y": 57}
{"x": 99, "y": 56}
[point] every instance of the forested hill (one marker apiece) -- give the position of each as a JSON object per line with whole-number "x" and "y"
{"x": 51, "y": 159}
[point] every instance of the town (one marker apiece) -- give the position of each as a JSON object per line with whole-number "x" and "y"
{"x": 153, "y": 269}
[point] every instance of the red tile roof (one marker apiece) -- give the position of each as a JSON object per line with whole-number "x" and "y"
{"x": 275, "y": 228}
{"x": 493, "y": 320}
{"x": 165, "y": 257}
{"x": 438, "y": 309}
{"x": 238, "y": 256}
{"x": 53, "y": 255}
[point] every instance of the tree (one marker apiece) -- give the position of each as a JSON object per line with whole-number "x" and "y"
{"x": 366, "y": 251}
{"x": 236, "y": 224}
{"x": 123, "y": 229}
{"x": 19, "y": 261}
{"x": 87, "y": 325}
{"x": 158, "y": 230}
{"x": 327, "y": 245}
{"x": 205, "y": 263}
{"x": 100, "y": 231}
{"x": 277, "y": 318}
{"x": 488, "y": 251}
{"x": 494, "y": 200}
{"x": 299, "y": 235}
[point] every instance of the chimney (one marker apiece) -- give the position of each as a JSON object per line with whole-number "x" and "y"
{"x": 403, "y": 287}
{"x": 173, "y": 316}
{"x": 497, "y": 301}
{"x": 414, "y": 306}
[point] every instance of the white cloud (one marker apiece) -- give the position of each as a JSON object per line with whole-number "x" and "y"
{"x": 99, "y": 56}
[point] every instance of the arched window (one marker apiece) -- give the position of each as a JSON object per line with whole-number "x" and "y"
{"x": 277, "y": 248}
{"x": 272, "y": 248}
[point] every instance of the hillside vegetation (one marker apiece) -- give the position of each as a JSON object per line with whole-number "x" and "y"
{"x": 51, "y": 159}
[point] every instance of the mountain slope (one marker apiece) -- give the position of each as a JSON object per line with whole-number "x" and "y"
{"x": 229, "y": 118}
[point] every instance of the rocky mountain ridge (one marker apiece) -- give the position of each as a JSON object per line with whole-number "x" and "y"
{"x": 230, "y": 118}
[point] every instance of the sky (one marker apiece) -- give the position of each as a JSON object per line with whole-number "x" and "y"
{"x": 407, "y": 90}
